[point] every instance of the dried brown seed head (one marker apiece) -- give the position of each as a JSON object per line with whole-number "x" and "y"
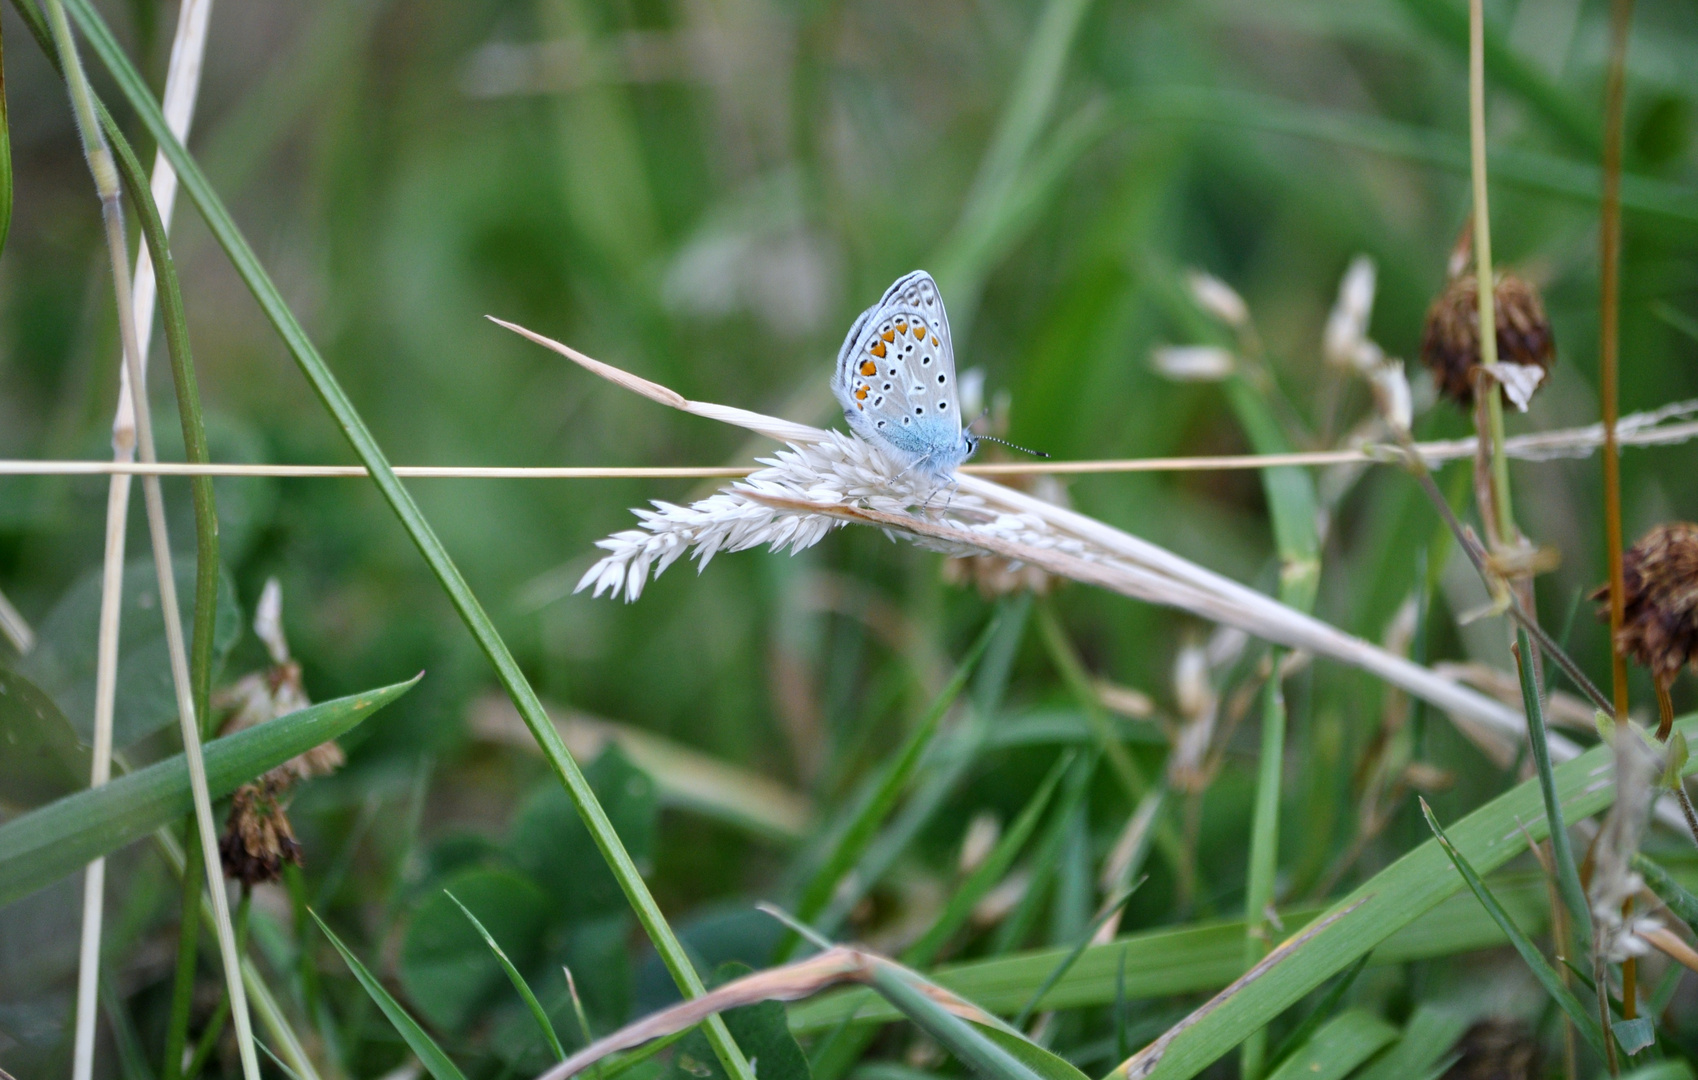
{"x": 1659, "y": 625}
{"x": 1450, "y": 343}
{"x": 258, "y": 839}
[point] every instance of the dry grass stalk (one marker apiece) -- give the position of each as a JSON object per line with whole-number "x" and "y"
{"x": 182, "y": 86}
{"x": 792, "y": 982}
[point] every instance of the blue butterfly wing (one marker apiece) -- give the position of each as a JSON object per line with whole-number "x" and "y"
{"x": 895, "y": 377}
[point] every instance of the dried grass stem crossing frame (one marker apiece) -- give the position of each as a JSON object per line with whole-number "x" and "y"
{"x": 1650, "y": 428}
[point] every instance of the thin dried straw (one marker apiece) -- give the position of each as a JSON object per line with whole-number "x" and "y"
{"x": 1639, "y": 429}
{"x": 182, "y": 85}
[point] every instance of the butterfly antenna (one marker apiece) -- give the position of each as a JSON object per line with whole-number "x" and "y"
{"x": 1011, "y": 446}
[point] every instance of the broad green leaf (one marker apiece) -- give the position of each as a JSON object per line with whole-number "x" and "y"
{"x": 40, "y": 757}
{"x": 44, "y": 845}
{"x": 549, "y": 842}
{"x": 446, "y": 967}
{"x": 63, "y": 661}
{"x": 1342, "y": 1043}
{"x": 761, "y": 1030}
{"x": 429, "y": 1054}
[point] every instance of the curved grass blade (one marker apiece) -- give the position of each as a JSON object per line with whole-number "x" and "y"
{"x": 971, "y": 1046}
{"x": 1072, "y": 957}
{"x": 858, "y": 835}
{"x": 1671, "y": 892}
{"x": 518, "y": 982}
{"x": 365, "y": 446}
{"x": 422, "y": 1045}
{"x": 1321, "y": 1013}
{"x": 1346, "y": 1041}
{"x": 46, "y": 844}
{"x": 1582, "y": 1018}
{"x": 986, "y": 876}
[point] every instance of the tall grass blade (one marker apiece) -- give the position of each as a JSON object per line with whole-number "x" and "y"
{"x": 1345, "y": 1042}
{"x": 1567, "y": 874}
{"x": 1582, "y": 1019}
{"x": 44, "y": 845}
{"x": 417, "y": 1039}
{"x": 365, "y": 446}
{"x": 520, "y": 985}
{"x": 989, "y": 873}
{"x": 1061, "y": 969}
{"x": 861, "y": 829}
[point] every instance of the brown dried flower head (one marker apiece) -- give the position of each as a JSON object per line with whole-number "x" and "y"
{"x": 1450, "y": 343}
{"x": 1659, "y": 625}
{"x": 257, "y": 837}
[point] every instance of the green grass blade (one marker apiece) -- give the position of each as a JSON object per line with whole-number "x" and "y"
{"x": 861, "y": 829}
{"x": 1410, "y": 910}
{"x": 1578, "y": 1014}
{"x": 42, "y": 846}
{"x": 989, "y": 873}
{"x": 1680, "y": 901}
{"x": 417, "y": 1039}
{"x": 962, "y": 1039}
{"x": 365, "y": 447}
{"x": 517, "y": 980}
{"x": 1320, "y": 1014}
{"x": 1346, "y": 1041}
{"x": 1568, "y": 877}
{"x": 1426, "y": 1041}
{"x": 1072, "y": 957}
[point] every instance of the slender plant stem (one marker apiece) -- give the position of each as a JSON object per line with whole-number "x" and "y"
{"x": 1568, "y": 877}
{"x": 1486, "y": 290}
{"x": 1609, "y": 329}
{"x": 1264, "y": 852}
{"x": 105, "y": 174}
{"x": 477, "y": 621}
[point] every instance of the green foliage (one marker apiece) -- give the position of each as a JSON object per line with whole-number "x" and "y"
{"x": 548, "y": 841}
{"x": 760, "y": 1030}
{"x": 447, "y": 968}
{"x": 707, "y": 198}
{"x": 63, "y": 661}
{"x": 40, "y": 847}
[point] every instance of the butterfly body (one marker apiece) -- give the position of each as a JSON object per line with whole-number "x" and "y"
{"x": 895, "y": 379}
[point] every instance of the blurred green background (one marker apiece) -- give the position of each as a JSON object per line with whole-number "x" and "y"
{"x": 706, "y": 192}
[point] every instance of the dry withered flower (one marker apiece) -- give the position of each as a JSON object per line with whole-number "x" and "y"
{"x": 257, "y": 837}
{"x": 1450, "y": 342}
{"x": 1659, "y": 625}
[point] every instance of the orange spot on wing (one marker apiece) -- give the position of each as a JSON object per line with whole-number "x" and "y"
{"x": 919, "y": 332}
{"x": 878, "y": 350}
{"x": 901, "y": 328}
{"x": 861, "y": 393}
{"x": 869, "y": 368}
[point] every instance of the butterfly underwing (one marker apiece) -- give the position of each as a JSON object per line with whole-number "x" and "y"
{"x": 895, "y": 378}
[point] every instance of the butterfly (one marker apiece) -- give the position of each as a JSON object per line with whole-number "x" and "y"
{"x": 895, "y": 379}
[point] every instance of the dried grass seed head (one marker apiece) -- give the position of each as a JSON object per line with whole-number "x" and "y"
{"x": 1659, "y": 626}
{"x": 1450, "y": 342}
